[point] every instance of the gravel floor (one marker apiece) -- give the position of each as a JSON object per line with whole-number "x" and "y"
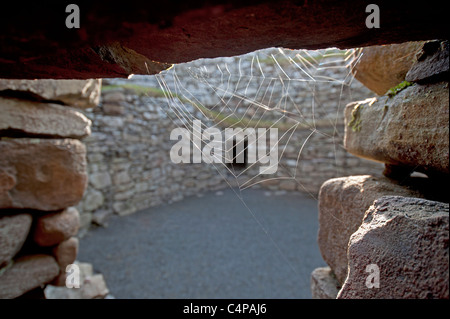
{"x": 210, "y": 247}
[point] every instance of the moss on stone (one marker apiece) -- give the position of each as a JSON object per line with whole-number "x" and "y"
{"x": 398, "y": 88}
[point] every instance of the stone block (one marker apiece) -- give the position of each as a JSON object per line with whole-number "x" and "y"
{"x": 400, "y": 251}
{"x": 27, "y": 273}
{"x": 409, "y": 129}
{"x": 13, "y": 233}
{"x": 55, "y": 228}
{"x": 342, "y": 204}
{"x": 77, "y": 93}
{"x": 29, "y": 118}
{"x": 42, "y": 174}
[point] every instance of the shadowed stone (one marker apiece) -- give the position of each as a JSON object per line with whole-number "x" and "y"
{"x": 342, "y": 204}
{"x": 27, "y": 273}
{"x": 407, "y": 239}
{"x": 324, "y": 284}
{"x": 13, "y": 233}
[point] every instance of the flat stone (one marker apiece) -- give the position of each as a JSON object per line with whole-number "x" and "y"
{"x": 432, "y": 62}
{"x": 342, "y": 204}
{"x": 407, "y": 241}
{"x": 382, "y": 67}
{"x": 100, "y": 217}
{"x": 27, "y": 273}
{"x": 33, "y": 118}
{"x": 77, "y": 93}
{"x": 409, "y": 129}
{"x": 43, "y": 174}
{"x": 13, "y": 233}
{"x": 55, "y": 228}
{"x": 324, "y": 284}
{"x": 100, "y": 180}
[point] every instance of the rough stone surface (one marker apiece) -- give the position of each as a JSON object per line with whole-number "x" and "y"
{"x": 383, "y": 67}
{"x": 409, "y": 129}
{"x": 43, "y": 174}
{"x": 117, "y": 42}
{"x": 66, "y": 252}
{"x": 324, "y": 284}
{"x": 55, "y": 228}
{"x": 77, "y": 93}
{"x": 342, "y": 204}
{"x": 27, "y": 273}
{"x": 13, "y": 233}
{"x": 432, "y": 62}
{"x": 22, "y": 117}
{"x": 407, "y": 238}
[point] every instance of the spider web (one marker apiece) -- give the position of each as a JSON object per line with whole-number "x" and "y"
{"x": 262, "y": 90}
{"x": 271, "y": 88}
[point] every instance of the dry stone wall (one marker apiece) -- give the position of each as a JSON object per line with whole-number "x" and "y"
{"x": 43, "y": 174}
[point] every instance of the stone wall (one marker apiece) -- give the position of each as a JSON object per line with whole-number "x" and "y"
{"x": 42, "y": 177}
{"x": 387, "y": 237}
{"x": 129, "y": 163}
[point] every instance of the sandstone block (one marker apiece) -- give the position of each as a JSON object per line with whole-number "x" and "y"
{"x": 342, "y": 204}
{"x": 55, "y": 228}
{"x": 432, "y": 62}
{"x": 384, "y": 66}
{"x": 42, "y": 174}
{"x": 324, "y": 284}
{"x": 409, "y": 129}
{"x": 66, "y": 252}
{"x": 77, "y": 93}
{"x": 407, "y": 239}
{"x": 13, "y": 233}
{"x": 27, "y": 273}
{"x": 33, "y": 118}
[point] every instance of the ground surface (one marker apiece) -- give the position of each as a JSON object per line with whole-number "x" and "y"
{"x": 210, "y": 247}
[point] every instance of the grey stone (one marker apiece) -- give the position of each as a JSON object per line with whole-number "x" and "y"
{"x": 432, "y": 62}
{"x": 324, "y": 284}
{"x": 34, "y": 118}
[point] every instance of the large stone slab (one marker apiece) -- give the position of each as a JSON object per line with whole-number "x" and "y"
{"x": 432, "y": 63}
{"x": 55, "y": 228}
{"x": 77, "y": 93}
{"x": 13, "y": 233}
{"x": 27, "y": 273}
{"x": 409, "y": 129}
{"x": 400, "y": 251}
{"x": 324, "y": 284}
{"x": 342, "y": 204}
{"x": 381, "y": 67}
{"x": 42, "y": 174}
{"x": 22, "y": 117}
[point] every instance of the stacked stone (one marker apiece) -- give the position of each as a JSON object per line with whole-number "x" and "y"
{"x": 387, "y": 237}
{"x": 42, "y": 176}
